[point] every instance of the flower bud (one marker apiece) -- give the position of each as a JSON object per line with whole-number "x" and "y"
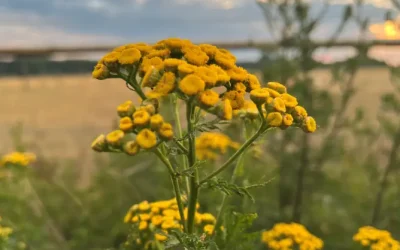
{"x": 126, "y": 109}
{"x": 280, "y": 88}
{"x": 99, "y": 144}
{"x": 259, "y": 96}
{"x": 309, "y": 125}
{"x": 131, "y": 148}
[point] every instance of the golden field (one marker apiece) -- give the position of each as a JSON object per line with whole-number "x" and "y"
{"x": 62, "y": 114}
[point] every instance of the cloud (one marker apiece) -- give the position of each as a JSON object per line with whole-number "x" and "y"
{"x": 26, "y": 29}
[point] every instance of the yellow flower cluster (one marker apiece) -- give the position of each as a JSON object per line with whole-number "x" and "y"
{"x": 376, "y": 239}
{"x": 176, "y": 65}
{"x": 210, "y": 144}
{"x": 18, "y": 158}
{"x": 280, "y": 109}
{"x": 290, "y": 236}
{"x": 139, "y": 128}
{"x": 155, "y": 220}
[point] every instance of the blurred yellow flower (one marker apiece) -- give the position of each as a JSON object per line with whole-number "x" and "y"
{"x": 208, "y": 98}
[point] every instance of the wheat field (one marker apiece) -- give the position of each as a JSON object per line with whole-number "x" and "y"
{"x": 62, "y": 114}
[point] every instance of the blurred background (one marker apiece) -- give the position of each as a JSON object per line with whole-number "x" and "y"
{"x": 341, "y": 58}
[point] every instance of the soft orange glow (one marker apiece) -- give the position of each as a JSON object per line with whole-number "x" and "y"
{"x": 389, "y": 30}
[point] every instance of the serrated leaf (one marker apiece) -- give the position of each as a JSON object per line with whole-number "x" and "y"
{"x": 228, "y": 188}
{"x": 190, "y": 171}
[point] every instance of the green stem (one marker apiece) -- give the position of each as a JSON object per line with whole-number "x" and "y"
{"x": 194, "y": 180}
{"x": 180, "y": 135}
{"x": 224, "y": 202}
{"x": 175, "y": 185}
{"x": 236, "y": 154}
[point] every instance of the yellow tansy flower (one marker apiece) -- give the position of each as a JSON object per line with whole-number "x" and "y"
{"x": 144, "y": 217}
{"x": 191, "y": 85}
{"x": 160, "y": 237}
{"x": 209, "y": 229}
{"x": 125, "y": 124}
{"x": 129, "y": 56}
{"x": 146, "y": 139}
{"x": 166, "y": 132}
{"x": 273, "y": 93}
{"x": 236, "y": 99}
{"x": 208, "y": 218}
{"x": 274, "y": 119}
{"x": 299, "y": 113}
{"x": 290, "y": 101}
{"x": 238, "y": 74}
{"x": 222, "y": 76}
{"x": 259, "y": 96}
{"x": 143, "y": 225}
{"x": 209, "y": 49}
{"x": 156, "y": 121}
{"x": 280, "y": 88}
{"x": 186, "y": 69}
{"x": 166, "y": 84}
{"x": 126, "y": 109}
{"x": 141, "y": 118}
{"x": 208, "y": 75}
{"x": 208, "y": 98}
{"x": 144, "y": 206}
{"x": 309, "y": 125}
{"x": 171, "y": 64}
{"x": 252, "y": 82}
{"x": 131, "y": 148}
{"x": 278, "y": 104}
{"x": 99, "y": 143}
{"x": 287, "y": 120}
{"x": 100, "y": 72}
{"x": 224, "y": 60}
{"x": 196, "y": 57}
{"x": 156, "y": 220}
{"x": 115, "y": 137}
{"x": 227, "y": 110}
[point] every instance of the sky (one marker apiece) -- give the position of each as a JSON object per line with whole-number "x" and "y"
{"x": 43, "y": 23}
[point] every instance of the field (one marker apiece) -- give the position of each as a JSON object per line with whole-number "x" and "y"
{"x": 62, "y": 114}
